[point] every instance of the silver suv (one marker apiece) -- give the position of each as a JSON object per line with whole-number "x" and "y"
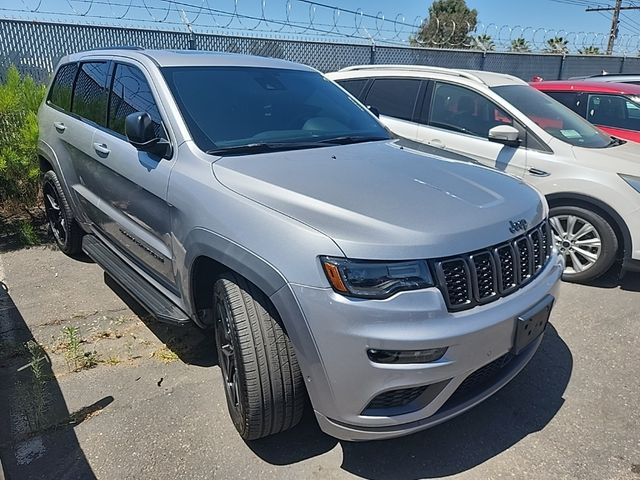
{"x": 254, "y": 197}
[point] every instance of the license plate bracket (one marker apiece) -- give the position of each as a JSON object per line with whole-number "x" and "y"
{"x": 532, "y": 323}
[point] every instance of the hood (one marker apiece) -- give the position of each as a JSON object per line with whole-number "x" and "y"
{"x": 381, "y": 201}
{"x": 621, "y": 159}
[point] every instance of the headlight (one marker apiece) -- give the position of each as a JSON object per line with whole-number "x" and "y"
{"x": 634, "y": 182}
{"x": 375, "y": 279}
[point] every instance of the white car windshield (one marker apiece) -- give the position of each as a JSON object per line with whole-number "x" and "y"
{"x": 554, "y": 118}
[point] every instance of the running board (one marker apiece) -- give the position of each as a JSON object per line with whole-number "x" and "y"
{"x": 133, "y": 283}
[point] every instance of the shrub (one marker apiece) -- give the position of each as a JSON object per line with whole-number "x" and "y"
{"x": 20, "y": 98}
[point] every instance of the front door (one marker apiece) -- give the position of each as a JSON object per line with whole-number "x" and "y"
{"x": 131, "y": 185}
{"x": 458, "y": 119}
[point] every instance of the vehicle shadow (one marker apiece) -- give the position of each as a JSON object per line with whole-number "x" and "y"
{"x": 191, "y": 344}
{"x": 37, "y": 437}
{"x": 526, "y": 405}
{"x": 628, "y": 281}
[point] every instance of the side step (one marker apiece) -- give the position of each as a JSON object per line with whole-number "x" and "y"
{"x": 158, "y": 305}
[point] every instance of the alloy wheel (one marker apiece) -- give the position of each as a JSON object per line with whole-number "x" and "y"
{"x": 577, "y": 240}
{"x": 227, "y": 355}
{"x": 55, "y": 214}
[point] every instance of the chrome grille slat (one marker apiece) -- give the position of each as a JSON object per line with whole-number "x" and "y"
{"x": 481, "y": 277}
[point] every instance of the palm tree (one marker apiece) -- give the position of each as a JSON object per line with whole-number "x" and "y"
{"x": 591, "y": 50}
{"x": 520, "y": 45}
{"x": 484, "y": 42}
{"x": 557, "y": 45}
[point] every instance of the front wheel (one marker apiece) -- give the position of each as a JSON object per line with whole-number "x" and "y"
{"x": 262, "y": 380}
{"x": 586, "y": 240}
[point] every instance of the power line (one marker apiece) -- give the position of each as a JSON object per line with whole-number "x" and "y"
{"x": 615, "y": 20}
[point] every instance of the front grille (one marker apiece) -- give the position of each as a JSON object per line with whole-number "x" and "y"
{"x": 395, "y": 398}
{"x": 477, "y": 278}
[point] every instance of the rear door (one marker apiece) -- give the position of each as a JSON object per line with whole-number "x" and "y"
{"x": 615, "y": 114}
{"x": 458, "y": 119}
{"x": 132, "y": 185}
{"x": 396, "y": 100}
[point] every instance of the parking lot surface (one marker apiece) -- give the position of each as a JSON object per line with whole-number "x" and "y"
{"x": 122, "y": 396}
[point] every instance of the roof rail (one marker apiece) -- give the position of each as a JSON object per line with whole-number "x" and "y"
{"x": 420, "y": 68}
{"x": 116, "y": 47}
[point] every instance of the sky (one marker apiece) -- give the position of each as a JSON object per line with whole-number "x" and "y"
{"x": 566, "y": 15}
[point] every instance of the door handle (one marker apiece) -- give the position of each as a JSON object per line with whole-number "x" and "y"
{"x": 101, "y": 149}
{"x": 60, "y": 127}
{"x": 538, "y": 173}
{"x": 437, "y": 143}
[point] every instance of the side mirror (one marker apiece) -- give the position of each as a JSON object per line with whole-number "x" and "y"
{"x": 374, "y": 110}
{"x": 139, "y": 130}
{"x": 506, "y": 135}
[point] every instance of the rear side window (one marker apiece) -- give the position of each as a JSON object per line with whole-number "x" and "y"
{"x": 573, "y": 100}
{"x": 394, "y": 97}
{"x": 354, "y": 87}
{"x": 130, "y": 93}
{"x": 90, "y": 92}
{"x": 62, "y": 86}
{"x": 614, "y": 111}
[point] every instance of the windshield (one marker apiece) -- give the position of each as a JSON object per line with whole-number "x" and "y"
{"x": 553, "y": 117}
{"x": 265, "y": 109}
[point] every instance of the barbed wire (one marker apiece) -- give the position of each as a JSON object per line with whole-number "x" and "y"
{"x": 312, "y": 19}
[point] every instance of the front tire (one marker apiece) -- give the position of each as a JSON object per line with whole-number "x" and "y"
{"x": 62, "y": 224}
{"x": 262, "y": 380}
{"x": 586, "y": 240}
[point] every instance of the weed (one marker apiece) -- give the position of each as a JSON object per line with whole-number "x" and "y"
{"x": 77, "y": 358}
{"x": 34, "y": 392}
{"x": 113, "y": 360}
{"x": 165, "y": 355}
{"x": 27, "y": 234}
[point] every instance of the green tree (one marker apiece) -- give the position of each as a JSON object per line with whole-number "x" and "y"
{"x": 591, "y": 50}
{"x": 448, "y": 25}
{"x": 520, "y": 45}
{"x": 557, "y": 45}
{"x": 484, "y": 42}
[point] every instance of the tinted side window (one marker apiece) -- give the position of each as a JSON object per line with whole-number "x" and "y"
{"x": 354, "y": 87}
{"x": 130, "y": 93}
{"x": 90, "y": 92}
{"x": 394, "y": 97}
{"x": 465, "y": 111}
{"x": 613, "y": 111}
{"x": 62, "y": 86}
{"x": 572, "y": 100}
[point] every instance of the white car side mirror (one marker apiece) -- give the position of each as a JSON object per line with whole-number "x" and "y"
{"x": 505, "y": 134}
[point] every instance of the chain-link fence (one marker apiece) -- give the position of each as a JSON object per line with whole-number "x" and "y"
{"x": 35, "y": 48}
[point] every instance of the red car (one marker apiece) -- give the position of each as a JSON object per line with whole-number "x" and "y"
{"x": 614, "y": 107}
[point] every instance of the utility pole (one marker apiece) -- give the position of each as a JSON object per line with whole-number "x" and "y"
{"x": 614, "y": 21}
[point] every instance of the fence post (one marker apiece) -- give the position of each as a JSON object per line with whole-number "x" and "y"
{"x": 561, "y": 66}
{"x": 372, "y": 53}
{"x": 622, "y": 63}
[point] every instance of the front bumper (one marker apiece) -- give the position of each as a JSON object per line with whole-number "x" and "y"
{"x": 345, "y": 381}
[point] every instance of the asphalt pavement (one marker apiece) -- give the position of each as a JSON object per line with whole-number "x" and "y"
{"x": 127, "y": 397}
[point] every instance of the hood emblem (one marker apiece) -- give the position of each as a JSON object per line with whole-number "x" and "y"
{"x": 518, "y": 226}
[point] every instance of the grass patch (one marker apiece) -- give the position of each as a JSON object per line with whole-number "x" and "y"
{"x": 27, "y": 234}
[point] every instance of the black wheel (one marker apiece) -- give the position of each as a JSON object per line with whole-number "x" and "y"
{"x": 262, "y": 380}
{"x": 66, "y": 231}
{"x": 586, "y": 240}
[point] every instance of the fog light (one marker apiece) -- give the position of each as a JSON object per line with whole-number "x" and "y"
{"x": 406, "y": 356}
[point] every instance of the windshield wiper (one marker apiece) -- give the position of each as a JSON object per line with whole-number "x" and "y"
{"x": 614, "y": 142}
{"x": 261, "y": 147}
{"x": 347, "y": 139}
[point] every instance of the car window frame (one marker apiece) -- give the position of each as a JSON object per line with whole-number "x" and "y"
{"x": 80, "y": 63}
{"x": 73, "y": 86}
{"x": 608, "y": 94}
{"x": 531, "y": 140}
{"x": 152, "y": 89}
{"x": 419, "y": 94}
